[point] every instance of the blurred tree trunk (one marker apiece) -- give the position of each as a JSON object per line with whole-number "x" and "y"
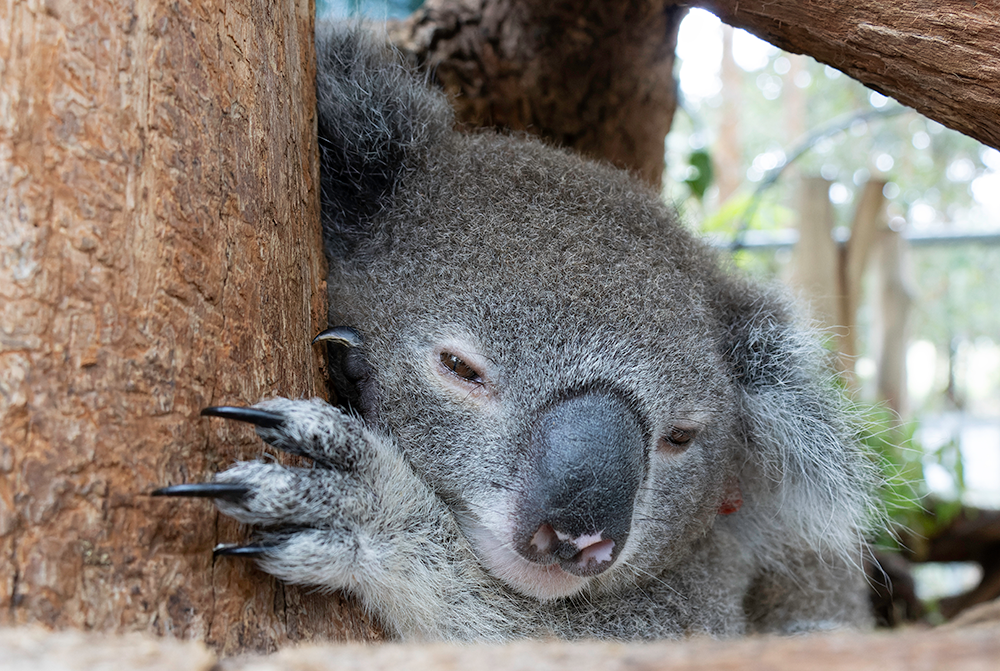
{"x": 727, "y": 159}
{"x": 161, "y": 253}
{"x": 591, "y": 75}
{"x": 892, "y": 306}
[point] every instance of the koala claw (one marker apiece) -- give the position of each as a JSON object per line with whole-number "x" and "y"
{"x": 340, "y": 335}
{"x": 242, "y": 551}
{"x": 228, "y": 491}
{"x": 262, "y": 418}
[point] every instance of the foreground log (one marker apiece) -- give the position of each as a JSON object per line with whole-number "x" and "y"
{"x": 971, "y": 649}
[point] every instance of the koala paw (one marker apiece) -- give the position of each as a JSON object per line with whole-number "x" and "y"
{"x": 339, "y": 524}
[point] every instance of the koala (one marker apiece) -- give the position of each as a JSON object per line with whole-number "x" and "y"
{"x": 561, "y": 415}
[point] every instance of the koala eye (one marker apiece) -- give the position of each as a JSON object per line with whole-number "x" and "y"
{"x": 460, "y": 368}
{"x": 676, "y": 440}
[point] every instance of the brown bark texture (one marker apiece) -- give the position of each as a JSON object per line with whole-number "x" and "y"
{"x": 591, "y": 75}
{"x": 160, "y": 254}
{"x": 941, "y": 57}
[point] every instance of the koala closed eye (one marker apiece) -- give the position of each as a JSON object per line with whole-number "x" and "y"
{"x": 460, "y": 368}
{"x": 676, "y": 440}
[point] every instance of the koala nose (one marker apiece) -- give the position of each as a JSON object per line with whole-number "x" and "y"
{"x": 587, "y": 458}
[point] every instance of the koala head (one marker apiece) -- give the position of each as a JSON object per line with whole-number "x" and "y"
{"x": 554, "y": 354}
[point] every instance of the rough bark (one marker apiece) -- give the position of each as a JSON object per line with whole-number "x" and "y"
{"x": 161, "y": 253}
{"x": 938, "y": 56}
{"x": 591, "y": 75}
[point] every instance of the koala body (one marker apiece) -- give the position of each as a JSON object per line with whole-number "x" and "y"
{"x": 564, "y": 418}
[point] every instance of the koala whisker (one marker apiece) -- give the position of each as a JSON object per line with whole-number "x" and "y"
{"x": 631, "y": 566}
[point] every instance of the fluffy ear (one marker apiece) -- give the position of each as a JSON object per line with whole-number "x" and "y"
{"x": 806, "y": 482}
{"x": 375, "y": 119}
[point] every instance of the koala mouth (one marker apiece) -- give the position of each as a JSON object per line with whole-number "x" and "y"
{"x": 584, "y": 555}
{"x": 540, "y": 581}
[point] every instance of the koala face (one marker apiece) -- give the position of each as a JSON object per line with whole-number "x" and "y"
{"x": 547, "y": 356}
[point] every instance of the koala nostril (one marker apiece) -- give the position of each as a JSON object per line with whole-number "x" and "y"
{"x": 586, "y": 552}
{"x": 544, "y": 539}
{"x": 596, "y": 553}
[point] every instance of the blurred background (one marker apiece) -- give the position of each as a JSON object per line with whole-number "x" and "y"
{"x": 887, "y": 225}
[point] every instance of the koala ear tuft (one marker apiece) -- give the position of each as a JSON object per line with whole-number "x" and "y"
{"x": 376, "y": 117}
{"x": 805, "y": 476}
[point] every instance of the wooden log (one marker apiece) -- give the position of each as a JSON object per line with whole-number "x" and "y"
{"x": 971, "y": 649}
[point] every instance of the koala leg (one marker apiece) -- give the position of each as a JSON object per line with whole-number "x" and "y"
{"x": 358, "y": 520}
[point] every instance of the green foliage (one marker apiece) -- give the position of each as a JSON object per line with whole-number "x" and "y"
{"x": 699, "y": 176}
{"x": 912, "y": 513}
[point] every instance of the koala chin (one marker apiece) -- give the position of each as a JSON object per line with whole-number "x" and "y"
{"x": 560, "y": 415}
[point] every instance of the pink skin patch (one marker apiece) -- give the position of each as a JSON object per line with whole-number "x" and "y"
{"x": 733, "y": 499}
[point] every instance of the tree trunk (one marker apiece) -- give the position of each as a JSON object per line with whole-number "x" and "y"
{"x": 815, "y": 266}
{"x": 594, "y": 76}
{"x": 937, "y": 56}
{"x": 893, "y": 304}
{"x": 161, "y": 254}
{"x": 727, "y": 158}
{"x": 869, "y": 219}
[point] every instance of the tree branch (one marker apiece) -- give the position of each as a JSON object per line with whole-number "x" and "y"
{"x": 941, "y": 57}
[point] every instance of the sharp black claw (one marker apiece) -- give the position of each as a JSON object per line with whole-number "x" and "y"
{"x": 228, "y": 491}
{"x": 245, "y": 551}
{"x": 340, "y": 335}
{"x": 262, "y": 418}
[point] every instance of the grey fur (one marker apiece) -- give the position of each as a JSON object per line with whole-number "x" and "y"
{"x": 552, "y": 278}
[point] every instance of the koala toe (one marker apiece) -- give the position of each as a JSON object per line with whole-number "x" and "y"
{"x": 278, "y": 496}
{"x": 333, "y": 558}
{"x": 317, "y": 430}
